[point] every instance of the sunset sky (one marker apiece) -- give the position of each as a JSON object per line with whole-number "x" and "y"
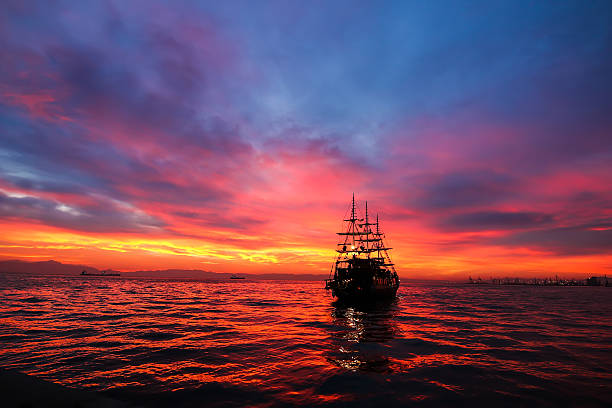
{"x": 229, "y": 135}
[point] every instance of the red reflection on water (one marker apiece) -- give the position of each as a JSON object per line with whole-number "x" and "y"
{"x": 289, "y": 339}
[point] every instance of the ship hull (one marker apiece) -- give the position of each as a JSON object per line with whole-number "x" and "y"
{"x": 370, "y": 294}
{"x": 350, "y": 291}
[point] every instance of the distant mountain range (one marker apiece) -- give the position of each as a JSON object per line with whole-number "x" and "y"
{"x": 43, "y": 267}
{"x": 58, "y": 268}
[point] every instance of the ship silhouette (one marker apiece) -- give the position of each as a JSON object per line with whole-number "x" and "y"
{"x": 363, "y": 270}
{"x": 102, "y": 273}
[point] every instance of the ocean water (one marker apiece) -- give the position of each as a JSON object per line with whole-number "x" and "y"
{"x": 265, "y": 343}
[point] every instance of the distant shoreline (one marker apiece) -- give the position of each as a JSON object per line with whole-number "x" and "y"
{"x": 61, "y": 269}
{"x": 55, "y": 268}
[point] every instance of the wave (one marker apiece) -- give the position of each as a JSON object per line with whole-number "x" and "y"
{"x": 185, "y": 343}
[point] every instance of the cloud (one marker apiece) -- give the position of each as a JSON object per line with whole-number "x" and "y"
{"x": 215, "y": 220}
{"x": 494, "y": 220}
{"x": 99, "y": 217}
{"x": 463, "y": 188}
{"x": 588, "y": 239}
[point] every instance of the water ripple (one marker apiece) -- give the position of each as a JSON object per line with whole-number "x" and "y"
{"x": 173, "y": 342}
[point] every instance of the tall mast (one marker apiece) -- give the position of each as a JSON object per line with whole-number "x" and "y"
{"x": 377, "y": 235}
{"x": 353, "y": 225}
{"x": 352, "y": 232}
{"x": 367, "y": 231}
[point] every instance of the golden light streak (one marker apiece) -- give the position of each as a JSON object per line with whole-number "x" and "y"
{"x": 129, "y": 252}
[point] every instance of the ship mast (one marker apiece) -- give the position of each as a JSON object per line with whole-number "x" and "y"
{"x": 352, "y": 235}
{"x": 367, "y": 230}
{"x": 357, "y": 236}
{"x": 378, "y": 235}
{"x": 353, "y": 226}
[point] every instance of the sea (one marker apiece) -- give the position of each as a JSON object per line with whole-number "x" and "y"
{"x": 190, "y": 343}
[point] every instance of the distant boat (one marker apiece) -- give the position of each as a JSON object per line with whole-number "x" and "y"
{"x": 363, "y": 269}
{"x": 236, "y": 277}
{"x": 102, "y": 273}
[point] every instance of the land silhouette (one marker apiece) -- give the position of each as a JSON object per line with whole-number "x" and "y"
{"x": 53, "y": 267}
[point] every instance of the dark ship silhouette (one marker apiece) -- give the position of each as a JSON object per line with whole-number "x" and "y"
{"x": 363, "y": 269}
{"x": 103, "y": 273}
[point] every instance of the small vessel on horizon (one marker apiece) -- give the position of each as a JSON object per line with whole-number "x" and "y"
{"x": 102, "y": 273}
{"x": 237, "y": 277}
{"x": 363, "y": 269}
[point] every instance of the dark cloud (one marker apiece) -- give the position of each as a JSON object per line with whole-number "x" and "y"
{"x": 109, "y": 92}
{"x": 588, "y": 200}
{"x": 221, "y": 221}
{"x": 463, "y": 189}
{"x": 48, "y": 158}
{"x": 594, "y": 238}
{"x": 98, "y": 217}
{"x": 235, "y": 223}
{"x": 187, "y": 214}
{"x": 494, "y": 220}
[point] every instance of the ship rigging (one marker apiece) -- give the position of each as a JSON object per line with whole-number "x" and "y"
{"x": 363, "y": 269}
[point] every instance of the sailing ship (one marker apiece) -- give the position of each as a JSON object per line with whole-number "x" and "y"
{"x": 363, "y": 269}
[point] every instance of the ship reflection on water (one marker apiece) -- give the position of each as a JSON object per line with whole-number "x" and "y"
{"x": 360, "y": 335}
